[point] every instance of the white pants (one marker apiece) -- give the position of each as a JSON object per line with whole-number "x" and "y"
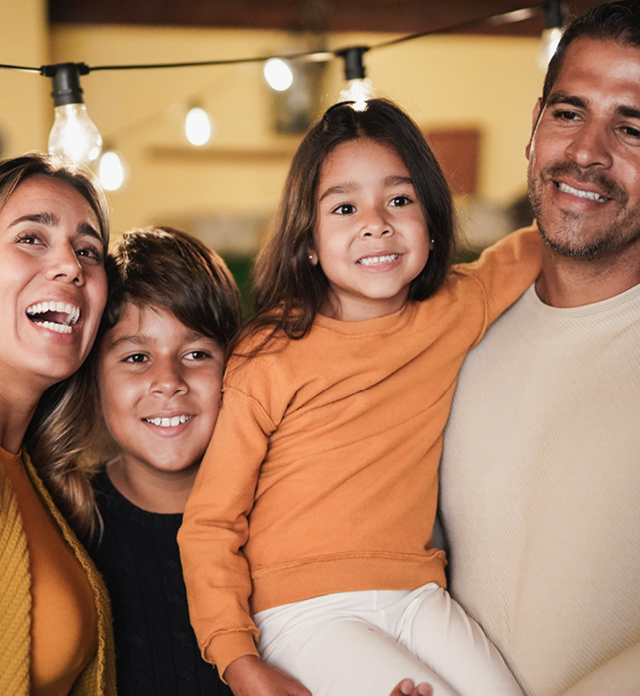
{"x": 364, "y": 643}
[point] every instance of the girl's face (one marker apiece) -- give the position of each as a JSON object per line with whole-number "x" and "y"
{"x": 53, "y": 285}
{"x": 160, "y": 385}
{"x": 370, "y": 235}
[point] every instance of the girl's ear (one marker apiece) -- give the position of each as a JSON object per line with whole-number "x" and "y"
{"x": 313, "y": 257}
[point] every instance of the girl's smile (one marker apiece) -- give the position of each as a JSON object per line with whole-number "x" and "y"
{"x": 370, "y": 234}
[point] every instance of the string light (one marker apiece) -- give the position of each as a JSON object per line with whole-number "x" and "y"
{"x": 551, "y": 34}
{"x": 197, "y": 126}
{"x": 359, "y": 88}
{"x": 112, "y": 169}
{"x": 73, "y": 137}
{"x": 278, "y": 74}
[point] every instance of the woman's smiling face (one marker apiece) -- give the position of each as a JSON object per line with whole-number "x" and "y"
{"x": 53, "y": 285}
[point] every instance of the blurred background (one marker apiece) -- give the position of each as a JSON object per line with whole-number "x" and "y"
{"x": 471, "y": 90}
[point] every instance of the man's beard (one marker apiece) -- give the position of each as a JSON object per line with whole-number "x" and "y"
{"x": 611, "y": 240}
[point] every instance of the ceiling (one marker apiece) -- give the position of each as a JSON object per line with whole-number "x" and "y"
{"x": 401, "y": 16}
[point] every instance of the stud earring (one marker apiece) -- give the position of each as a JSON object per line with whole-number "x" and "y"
{"x": 310, "y": 257}
{"x": 433, "y": 241}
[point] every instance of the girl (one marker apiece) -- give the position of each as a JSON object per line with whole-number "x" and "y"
{"x": 55, "y": 623}
{"x": 315, "y": 503}
{"x": 172, "y": 309}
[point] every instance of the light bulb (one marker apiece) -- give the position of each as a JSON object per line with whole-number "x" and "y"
{"x": 112, "y": 170}
{"x": 74, "y": 136}
{"x": 359, "y": 92}
{"x": 197, "y": 126}
{"x": 548, "y": 44}
{"x": 278, "y": 74}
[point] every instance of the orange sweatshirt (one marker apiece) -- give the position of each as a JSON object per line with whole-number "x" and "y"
{"x": 321, "y": 476}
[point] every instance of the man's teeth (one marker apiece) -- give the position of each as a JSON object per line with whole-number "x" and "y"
{"x": 591, "y": 195}
{"x": 168, "y": 422}
{"x": 372, "y": 260}
{"x": 73, "y": 313}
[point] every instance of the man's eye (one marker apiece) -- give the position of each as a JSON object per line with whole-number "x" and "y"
{"x": 565, "y": 115}
{"x": 344, "y": 209}
{"x": 631, "y": 131}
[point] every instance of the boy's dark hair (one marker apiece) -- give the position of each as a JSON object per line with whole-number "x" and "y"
{"x": 288, "y": 289}
{"x": 611, "y": 21}
{"x": 168, "y": 268}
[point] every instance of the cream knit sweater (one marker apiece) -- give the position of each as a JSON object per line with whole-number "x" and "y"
{"x": 540, "y": 493}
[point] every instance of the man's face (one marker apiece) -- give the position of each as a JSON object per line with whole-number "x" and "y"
{"x": 584, "y": 155}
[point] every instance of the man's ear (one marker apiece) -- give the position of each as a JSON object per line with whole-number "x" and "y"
{"x": 535, "y": 117}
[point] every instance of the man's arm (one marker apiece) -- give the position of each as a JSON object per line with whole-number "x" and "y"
{"x": 619, "y": 676}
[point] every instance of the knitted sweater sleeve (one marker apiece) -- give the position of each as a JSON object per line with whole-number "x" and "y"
{"x": 215, "y": 528}
{"x": 505, "y": 270}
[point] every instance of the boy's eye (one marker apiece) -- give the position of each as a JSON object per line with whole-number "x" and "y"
{"x": 399, "y": 201}
{"x": 197, "y": 355}
{"x": 344, "y": 209}
{"x": 136, "y": 358}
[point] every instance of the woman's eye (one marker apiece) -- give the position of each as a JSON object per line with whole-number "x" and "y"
{"x": 399, "y": 201}
{"x": 90, "y": 254}
{"x": 30, "y": 238}
{"x": 344, "y": 209}
{"x": 136, "y": 358}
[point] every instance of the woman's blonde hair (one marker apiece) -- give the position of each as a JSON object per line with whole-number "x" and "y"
{"x": 63, "y": 418}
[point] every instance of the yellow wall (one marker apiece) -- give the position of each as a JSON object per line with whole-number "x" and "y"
{"x": 489, "y": 83}
{"x": 23, "y": 96}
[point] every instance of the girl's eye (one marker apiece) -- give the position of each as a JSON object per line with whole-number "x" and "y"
{"x": 136, "y": 358}
{"x": 90, "y": 254}
{"x": 399, "y": 201}
{"x": 344, "y": 209}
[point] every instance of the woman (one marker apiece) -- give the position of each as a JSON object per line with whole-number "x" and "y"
{"x": 55, "y": 633}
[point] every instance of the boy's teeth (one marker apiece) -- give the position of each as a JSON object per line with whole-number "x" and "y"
{"x": 372, "y": 260}
{"x": 591, "y": 195}
{"x": 168, "y": 422}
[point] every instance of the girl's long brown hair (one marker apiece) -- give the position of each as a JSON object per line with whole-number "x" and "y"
{"x": 288, "y": 289}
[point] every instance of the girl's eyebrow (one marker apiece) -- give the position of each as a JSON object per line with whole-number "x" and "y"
{"x": 350, "y": 187}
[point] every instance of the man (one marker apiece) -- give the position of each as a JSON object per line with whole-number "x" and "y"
{"x": 540, "y": 481}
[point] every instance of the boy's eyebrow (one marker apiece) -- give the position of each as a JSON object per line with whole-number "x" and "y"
{"x": 138, "y": 339}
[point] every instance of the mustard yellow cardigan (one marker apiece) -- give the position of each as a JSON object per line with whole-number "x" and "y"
{"x": 98, "y": 678}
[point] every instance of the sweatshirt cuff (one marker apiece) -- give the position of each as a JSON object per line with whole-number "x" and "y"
{"x": 224, "y": 648}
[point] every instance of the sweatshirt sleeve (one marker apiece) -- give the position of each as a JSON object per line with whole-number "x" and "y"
{"x": 505, "y": 270}
{"x": 215, "y": 528}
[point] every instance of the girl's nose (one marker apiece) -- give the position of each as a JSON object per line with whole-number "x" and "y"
{"x": 375, "y": 224}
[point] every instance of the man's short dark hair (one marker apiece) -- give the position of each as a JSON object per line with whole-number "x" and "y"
{"x": 612, "y": 21}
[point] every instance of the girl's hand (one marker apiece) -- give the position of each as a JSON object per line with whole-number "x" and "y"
{"x": 248, "y": 676}
{"x": 407, "y": 688}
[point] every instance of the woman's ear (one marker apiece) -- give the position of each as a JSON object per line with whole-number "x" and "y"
{"x": 313, "y": 257}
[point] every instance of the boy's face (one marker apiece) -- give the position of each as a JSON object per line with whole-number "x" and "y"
{"x": 160, "y": 385}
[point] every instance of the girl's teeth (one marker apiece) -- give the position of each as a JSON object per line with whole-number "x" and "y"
{"x": 168, "y": 422}
{"x": 371, "y": 260}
